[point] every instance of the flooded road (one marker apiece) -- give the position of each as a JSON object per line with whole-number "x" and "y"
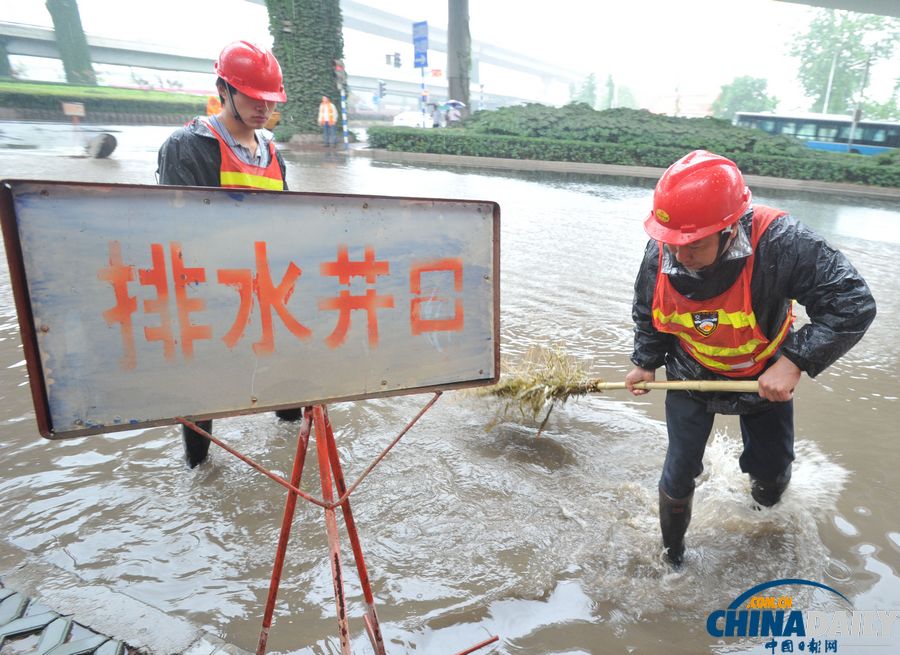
{"x": 552, "y": 543}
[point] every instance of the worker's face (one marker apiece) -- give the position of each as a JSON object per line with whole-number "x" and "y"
{"x": 255, "y": 113}
{"x": 698, "y": 254}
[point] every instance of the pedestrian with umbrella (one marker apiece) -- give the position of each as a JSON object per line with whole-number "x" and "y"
{"x": 453, "y": 111}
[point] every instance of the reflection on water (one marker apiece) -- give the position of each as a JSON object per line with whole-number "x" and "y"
{"x": 868, "y": 223}
{"x": 550, "y": 542}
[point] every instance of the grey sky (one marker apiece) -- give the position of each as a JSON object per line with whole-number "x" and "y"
{"x": 651, "y": 46}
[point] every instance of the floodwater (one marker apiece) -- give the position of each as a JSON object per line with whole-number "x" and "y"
{"x": 549, "y": 542}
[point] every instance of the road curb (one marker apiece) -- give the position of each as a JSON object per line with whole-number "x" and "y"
{"x": 607, "y": 170}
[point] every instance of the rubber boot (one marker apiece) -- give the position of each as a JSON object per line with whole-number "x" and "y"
{"x": 768, "y": 492}
{"x": 196, "y": 446}
{"x": 674, "y": 518}
{"x": 292, "y": 414}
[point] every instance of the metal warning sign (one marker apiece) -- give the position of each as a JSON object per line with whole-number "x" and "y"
{"x": 139, "y": 304}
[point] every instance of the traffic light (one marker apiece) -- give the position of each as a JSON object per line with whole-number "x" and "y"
{"x": 396, "y": 60}
{"x": 340, "y": 73}
{"x": 381, "y": 88}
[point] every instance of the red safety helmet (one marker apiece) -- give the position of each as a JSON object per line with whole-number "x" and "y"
{"x": 698, "y": 195}
{"x": 252, "y": 70}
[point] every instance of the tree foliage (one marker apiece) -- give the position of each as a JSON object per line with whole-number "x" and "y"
{"x": 743, "y": 94}
{"x": 843, "y": 41}
{"x": 587, "y": 93}
{"x": 889, "y": 110}
{"x": 71, "y": 42}
{"x": 616, "y": 95}
{"x": 610, "y": 96}
{"x": 625, "y": 98}
{"x": 308, "y": 38}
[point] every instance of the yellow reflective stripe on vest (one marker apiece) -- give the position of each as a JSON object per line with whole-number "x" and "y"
{"x": 779, "y": 338}
{"x": 719, "y": 351}
{"x": 735, "y": 319}
{"x": 236, "y": 179}
{"x": 715, "y": 364}
{"x": 700, "y": 350}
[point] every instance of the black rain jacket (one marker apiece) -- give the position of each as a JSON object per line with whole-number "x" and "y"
{"x": 792, "y": 262}
{"x": 191, "y": 157}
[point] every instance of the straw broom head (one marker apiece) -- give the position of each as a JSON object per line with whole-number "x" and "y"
{"x": 549, "y": 376}
{"x": 544, "y": 377}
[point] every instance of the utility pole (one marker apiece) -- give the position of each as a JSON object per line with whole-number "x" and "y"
{"x": 858, "y": 113}
{"x": 830, "y": 81}
{"x": 340, "y": 76}
{"x": 420, "y": 61}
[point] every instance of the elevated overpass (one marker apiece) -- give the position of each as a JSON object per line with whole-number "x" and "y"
{"x": 878, "y": 7}
{"x": 35, "y": 41}
{"x": 32, "y": 41}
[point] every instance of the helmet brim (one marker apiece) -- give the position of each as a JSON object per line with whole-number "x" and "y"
{"x": 678, "y": 237}
{"x": 266, "y": 96}
{"x": 682, "y": 237}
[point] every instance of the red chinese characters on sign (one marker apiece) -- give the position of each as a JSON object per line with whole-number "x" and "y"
{"x": 344, "y": 270}
{"x": 181, "y": 278}
{"x": 156, "y": 277}
{"x": 185, "y": 282}
{"x": 268, "y": 296}
{"x": 119, "y": 274}
{"x": 419, "y": 324}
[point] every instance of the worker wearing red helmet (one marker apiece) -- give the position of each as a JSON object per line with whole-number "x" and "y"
{"x": 230, "y": 149}
{"x": 713, "y": 300}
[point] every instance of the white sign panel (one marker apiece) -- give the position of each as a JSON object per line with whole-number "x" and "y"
{"x": 139, "y": 304}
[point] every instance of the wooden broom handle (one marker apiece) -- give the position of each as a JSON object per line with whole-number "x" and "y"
{"x": 748, "y": 386}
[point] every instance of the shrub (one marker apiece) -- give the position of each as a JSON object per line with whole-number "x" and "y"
{"x": 98, "y": 99}
{"x": 578, "y": 133}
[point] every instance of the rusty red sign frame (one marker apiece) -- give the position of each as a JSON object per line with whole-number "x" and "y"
{"x": 30, "y": 331}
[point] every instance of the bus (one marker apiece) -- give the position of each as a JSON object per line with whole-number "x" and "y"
{"x": 833, "y": 132}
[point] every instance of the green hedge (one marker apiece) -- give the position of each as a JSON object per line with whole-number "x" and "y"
{"x": 98, "y": 99}
{"x": 577, "y": 133}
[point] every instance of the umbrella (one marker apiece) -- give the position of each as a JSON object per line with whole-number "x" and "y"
{"x": 455, "y": 103}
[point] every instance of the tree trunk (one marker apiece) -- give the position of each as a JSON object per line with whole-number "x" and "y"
{"x": 5, "y": 66}
{"x": 459, "y": 51}
{"x": 71, "y": 42}
{"x": 308, "y": 38}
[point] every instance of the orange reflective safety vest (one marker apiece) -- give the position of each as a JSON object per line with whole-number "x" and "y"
{"x": 213, "y": 105}
{"x": 236, "y": 174}
{"x": 327, "y": 113}
{"x": 721, "y": 333}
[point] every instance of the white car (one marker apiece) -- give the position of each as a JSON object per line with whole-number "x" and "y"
{"x": 412, "y": 119}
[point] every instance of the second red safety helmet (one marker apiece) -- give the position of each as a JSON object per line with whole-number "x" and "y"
{"x": 252, "y": 70}
{"x": 700, "y": 194}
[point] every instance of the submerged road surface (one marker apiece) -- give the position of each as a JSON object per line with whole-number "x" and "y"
{"x": 552, "y": 542}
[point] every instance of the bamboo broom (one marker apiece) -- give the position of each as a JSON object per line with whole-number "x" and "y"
{"x": 738, "y": 386}
{"x": 551, "y": 377}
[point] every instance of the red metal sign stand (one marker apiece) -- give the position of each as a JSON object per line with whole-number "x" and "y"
{"x": 331, "y": 476}
{"x": 328, "y": 458}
